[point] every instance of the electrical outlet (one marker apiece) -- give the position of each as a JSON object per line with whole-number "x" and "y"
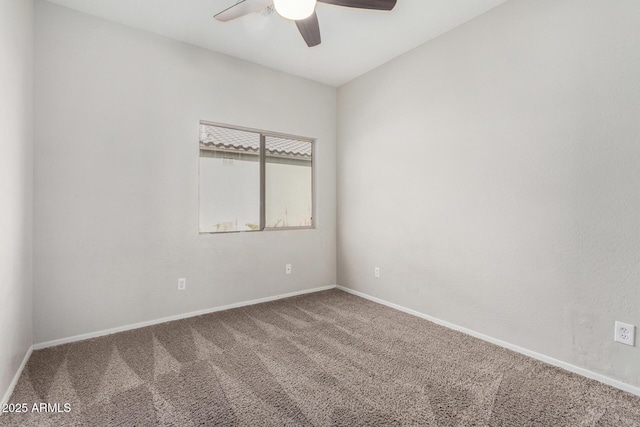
{"x": 287, "y": 269}
{"x": 625, "y": 333}
{"x": 376, "y": 272}
{"x": 182, "y": 284}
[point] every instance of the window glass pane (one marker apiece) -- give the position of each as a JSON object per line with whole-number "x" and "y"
{"x": 288, "y": 195}
{"x": 229, "y": 180}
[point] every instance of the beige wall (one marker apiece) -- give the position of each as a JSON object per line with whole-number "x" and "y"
{"x": 16, "y": 185}
{"x": 492, "y": 174}
{"x": 116, "y": 224}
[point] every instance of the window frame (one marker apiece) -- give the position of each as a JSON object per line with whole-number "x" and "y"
{"x": 263, "y": 172}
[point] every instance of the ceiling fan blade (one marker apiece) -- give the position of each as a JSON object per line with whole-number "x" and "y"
{"x": 242, "y": 8}
{"x": 363, "y": 4}
{"x": 310, "y": 30}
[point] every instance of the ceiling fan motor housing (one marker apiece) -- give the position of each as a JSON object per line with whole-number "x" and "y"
{"x": 295, "y": 9}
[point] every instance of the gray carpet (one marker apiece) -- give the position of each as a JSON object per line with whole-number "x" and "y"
{"x": 323, "y": 359}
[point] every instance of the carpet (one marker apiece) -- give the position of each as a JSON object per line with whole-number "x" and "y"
{"x": 322, "y": 359}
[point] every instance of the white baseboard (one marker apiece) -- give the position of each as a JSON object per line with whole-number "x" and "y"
{"x": 16, "y": 377}
{"x": 550, "y": 360}
{"x": 81, "y": 337}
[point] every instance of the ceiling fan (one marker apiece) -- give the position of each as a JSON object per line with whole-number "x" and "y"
{"x": 303, "y": 12}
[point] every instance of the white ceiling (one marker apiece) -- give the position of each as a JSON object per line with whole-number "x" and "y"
{"x": 353, "y": 41}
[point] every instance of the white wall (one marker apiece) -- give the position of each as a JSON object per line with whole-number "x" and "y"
{"x": 493, "y": 176}
{"x": 16, "y": 184}
{"x": 116, "y": 224}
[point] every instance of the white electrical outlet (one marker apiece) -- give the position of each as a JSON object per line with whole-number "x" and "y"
{"x": 287, "y": 269}
{"x": 625, "y": 334}
{"x": 376, "y": 272}
{"x": 182, "y": 284}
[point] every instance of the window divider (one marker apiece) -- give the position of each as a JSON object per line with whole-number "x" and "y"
{"x": 263, "y": 189}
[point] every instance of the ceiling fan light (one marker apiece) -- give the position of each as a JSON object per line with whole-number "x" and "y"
{"x": 295, "y": 9}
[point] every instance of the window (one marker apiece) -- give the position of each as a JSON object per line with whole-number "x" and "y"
{"x": 253, "y": 180}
